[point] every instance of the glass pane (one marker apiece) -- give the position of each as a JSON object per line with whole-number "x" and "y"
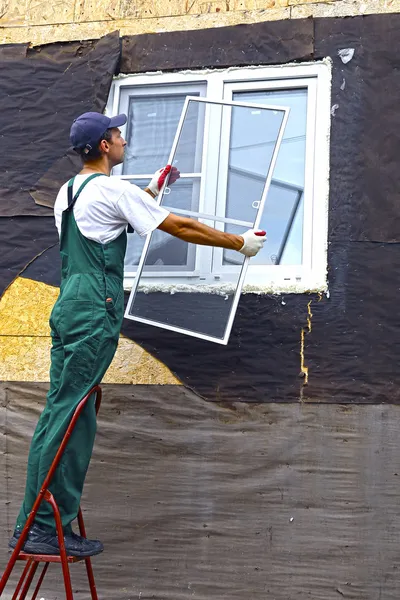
{"x": 135, "y": 244}
{"x": 184, "y": 194}
{"x": 281, "y": 209}
{"x": 252, "y": 143}
{"x": 134, "y": 251}
{"x": 200, "y": 302}
{"x": 292, "y": 253}
{"x": 166, "y": 251}
{"x": 152, "y": 123}
{"x": 287, "y": 180}
{"x": 189, "y": 151}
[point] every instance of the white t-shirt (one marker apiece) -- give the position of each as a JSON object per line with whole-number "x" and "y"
{"x": 105, "y": 207}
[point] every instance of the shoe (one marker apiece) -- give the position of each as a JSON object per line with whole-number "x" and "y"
{"x": 40, "y": 541}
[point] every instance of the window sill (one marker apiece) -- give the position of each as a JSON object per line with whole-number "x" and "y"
{"x": 277, "y": 287}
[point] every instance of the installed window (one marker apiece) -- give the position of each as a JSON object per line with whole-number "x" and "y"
{"x": 295, "y": 211}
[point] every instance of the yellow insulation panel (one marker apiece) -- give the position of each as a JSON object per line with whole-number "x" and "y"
{"x": 25, "y": 308}
{"x": 38, "y": 22}
{"x": 25, "y": 341}
{"x": 37, "y": 35}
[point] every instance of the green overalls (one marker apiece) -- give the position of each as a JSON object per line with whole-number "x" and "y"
{"x": 85, "y": 324}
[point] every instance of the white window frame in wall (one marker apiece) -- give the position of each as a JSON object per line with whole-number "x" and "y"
{"x": 311, "y": 275}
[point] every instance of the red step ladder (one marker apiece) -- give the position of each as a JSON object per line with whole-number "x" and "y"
{"x": 33, "y": 560}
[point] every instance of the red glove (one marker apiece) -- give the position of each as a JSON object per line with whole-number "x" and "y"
{"x": 171, "y": 174}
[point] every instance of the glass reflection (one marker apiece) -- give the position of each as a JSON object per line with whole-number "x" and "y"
{"x": 283, "y": 214}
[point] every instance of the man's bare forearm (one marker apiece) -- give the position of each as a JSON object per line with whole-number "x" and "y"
{"x": 195, "y": 232}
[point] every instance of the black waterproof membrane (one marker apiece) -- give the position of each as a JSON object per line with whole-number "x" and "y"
{"x": 349, "y": 341}
{"x": 274, "y": 42}
{"x": 42, "y": 90}
{"x": 23, "y": 240}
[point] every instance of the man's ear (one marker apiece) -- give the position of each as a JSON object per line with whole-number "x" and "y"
{"x": 104, "y": 146}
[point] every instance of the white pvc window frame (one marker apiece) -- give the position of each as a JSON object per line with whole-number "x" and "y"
{"x": 221, "y": 84}
{"x": 310, "y": 85}
{"x": 210, "y": 216}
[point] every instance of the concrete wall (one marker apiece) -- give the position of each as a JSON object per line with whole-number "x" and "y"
{"x": 39, "y": 22}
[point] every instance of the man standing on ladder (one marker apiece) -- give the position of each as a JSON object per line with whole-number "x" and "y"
{"x": 92, "y": 212}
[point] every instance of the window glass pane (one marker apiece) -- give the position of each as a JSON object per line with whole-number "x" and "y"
{"x": 134, "y": 251}
{"x": 253, "y": 134}
{"x": 135, "y": 242}
{"x": 189, "y": 151}
{"x": 184, "y": 194}
{"x": 201, "y": 303}
{"x": 292, "y": 253}
{"x": 252, "y": 142}
{"x": 284, "y": 229}
{"x": 281, "y": 209}
{"x": 151, "y": 127}
{"x": 166, "y": 251}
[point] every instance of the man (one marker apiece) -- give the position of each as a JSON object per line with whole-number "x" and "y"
{"x": 92, "y": 212}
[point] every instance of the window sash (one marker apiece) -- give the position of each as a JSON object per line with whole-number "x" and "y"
{"x": 274, "y": 85}
{"x": 214, "y": 218}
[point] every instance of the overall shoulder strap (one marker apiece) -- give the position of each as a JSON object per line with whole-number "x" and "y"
{"x": 70, "y": 187}
{"x": 72, "y": 199}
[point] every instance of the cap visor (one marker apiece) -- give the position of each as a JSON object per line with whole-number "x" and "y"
{"x": 117, "y": 121}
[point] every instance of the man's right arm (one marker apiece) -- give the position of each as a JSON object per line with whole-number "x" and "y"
{"x": 195, "y": 232}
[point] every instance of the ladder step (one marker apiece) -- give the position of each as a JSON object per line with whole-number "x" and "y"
{"x": 49, "y": 558}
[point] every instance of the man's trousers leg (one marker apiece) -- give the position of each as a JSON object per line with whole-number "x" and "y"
{"x": 85, "y": 362}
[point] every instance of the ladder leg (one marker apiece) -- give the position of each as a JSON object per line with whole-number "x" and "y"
{"x": 88, "y": 562}
{"x": 92, "y": 584}
{"x": 29, "y": 580}
{"x": 63, "y": 554}
{"x": 21, "y": 579}
{"x": 39, "y": 583}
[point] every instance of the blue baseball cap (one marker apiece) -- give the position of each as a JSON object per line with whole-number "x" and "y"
{"x": 88, "y": 129}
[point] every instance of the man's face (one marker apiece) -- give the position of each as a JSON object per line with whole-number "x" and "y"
{"x": 116, "y": 148}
